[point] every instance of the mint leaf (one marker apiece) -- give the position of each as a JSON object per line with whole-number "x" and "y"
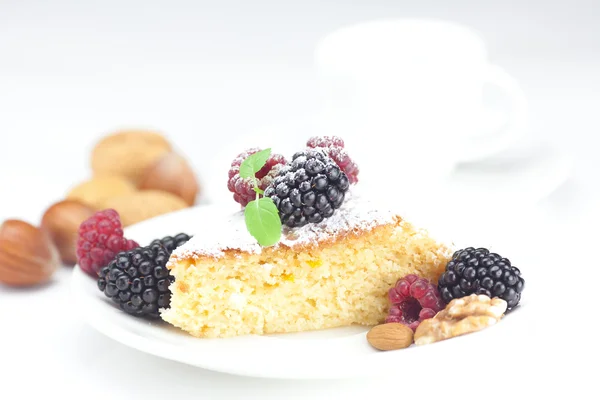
{"x": 262, "y": 221}
{"x": 251, "y": 165}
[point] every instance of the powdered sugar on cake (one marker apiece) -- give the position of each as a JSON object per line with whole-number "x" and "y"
{"x": 356, "y": 214}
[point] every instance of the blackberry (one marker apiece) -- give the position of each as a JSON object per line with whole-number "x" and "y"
{"x": 333, "y": 146}
{"x": 478, "y": 271}
{"x": 173, "y": 242}
{"x": 309, "y": 189}
{"x": 138, "y": 280}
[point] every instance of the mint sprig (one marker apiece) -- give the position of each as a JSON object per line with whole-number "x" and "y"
{"x": 261, "y": 214}
{"x": 263, "y": 222}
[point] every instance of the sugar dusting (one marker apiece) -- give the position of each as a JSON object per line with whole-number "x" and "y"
{"x": 356, "y": 214}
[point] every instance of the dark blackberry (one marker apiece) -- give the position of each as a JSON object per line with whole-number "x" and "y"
{"x": 309, "y": 189}
{"x": 138, "y": 280}
{"x": 173, "y": 242}
{"x": 478, "y": 271}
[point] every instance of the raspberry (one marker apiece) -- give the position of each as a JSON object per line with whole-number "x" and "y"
{"x": 100, "y": 238}
{"x": 243, "y": 189}
{"x": 413, "y": 300}
{"x": 478, "y": 271}
{"x": 334, "y": 148}
{"x": 325, "y": 141}
{"x": 308, "y": 190}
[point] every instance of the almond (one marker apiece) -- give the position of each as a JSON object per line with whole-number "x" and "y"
{"x": 392, "y": 336}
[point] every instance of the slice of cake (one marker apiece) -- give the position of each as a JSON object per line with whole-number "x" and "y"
{"x": 330, "y": 274}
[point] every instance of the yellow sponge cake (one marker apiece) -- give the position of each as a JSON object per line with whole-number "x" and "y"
{"x": 331, "y": 274}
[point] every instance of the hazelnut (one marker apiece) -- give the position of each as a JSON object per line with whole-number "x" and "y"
{"x": 171, "y": 173}
{"x": 27, "y": 255}
{"x": 61, "y": 221}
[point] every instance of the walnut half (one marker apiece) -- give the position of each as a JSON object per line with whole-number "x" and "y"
{"x": 461, "y": 316}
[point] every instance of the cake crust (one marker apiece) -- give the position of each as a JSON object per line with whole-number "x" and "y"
{"x": 355, "y": 216}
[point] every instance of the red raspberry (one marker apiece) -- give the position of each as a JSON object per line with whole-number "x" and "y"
{"x": 334, "y": 147}
{"x": 325, "y": 141}
{"x": 243, "y": 189}
{"x": 413, "y": 300}
{"x": 100, "y": 239}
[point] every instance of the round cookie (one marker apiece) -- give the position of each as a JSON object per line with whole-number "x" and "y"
{"x": 97, "y": 190}
{"x": 128, "y": 153}
{"x": 145, "y": 204}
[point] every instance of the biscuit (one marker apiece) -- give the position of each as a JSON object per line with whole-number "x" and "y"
{"x": 145, "y": 204}
{"x": 97, "y": 190}
{"x": 128, "y": 153}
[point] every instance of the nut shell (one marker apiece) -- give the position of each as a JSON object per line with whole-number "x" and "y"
{"x": 61, "y": 221}
{"x": 27, "y": 255}
{"x": 139, "y": 206}
{"x": 460, "y": 317}
{"x": 96, "y": 191}
{"x": 128, "y": 153}
{"x": 171, "y": 173}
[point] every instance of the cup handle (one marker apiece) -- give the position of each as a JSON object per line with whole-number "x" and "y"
{"x": 486, "y": 145}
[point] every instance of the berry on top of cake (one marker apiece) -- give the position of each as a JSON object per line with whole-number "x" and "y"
{"x": 243, "y": 188}
{"x": 334, "y": 148}
{"x": 308, "y": 190}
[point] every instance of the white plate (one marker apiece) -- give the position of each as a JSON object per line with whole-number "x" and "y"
{"x": 332, "y": 353}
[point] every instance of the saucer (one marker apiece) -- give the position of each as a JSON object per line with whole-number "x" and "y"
{"x": 522, "y": 175}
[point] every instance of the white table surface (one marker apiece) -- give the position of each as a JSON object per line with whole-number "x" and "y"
{"x": 207, "y": 72}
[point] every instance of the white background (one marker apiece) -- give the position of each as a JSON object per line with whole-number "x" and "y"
{"x": 210, "y": 72}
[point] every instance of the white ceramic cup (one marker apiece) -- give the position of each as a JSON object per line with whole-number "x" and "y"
{"x": 409, "y": 95}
